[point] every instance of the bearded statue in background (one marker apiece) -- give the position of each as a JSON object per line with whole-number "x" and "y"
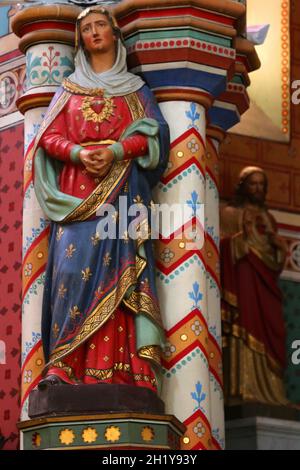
{"x": 252, "y": 258}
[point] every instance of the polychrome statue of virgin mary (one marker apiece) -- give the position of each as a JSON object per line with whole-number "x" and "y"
{"x": 103, "y": 141}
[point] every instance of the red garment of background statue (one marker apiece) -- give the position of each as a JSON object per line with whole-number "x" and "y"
{"x": 252, "y": 257}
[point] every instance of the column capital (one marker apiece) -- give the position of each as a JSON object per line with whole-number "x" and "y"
{"x": 45, "y": 24}
{"x": 47, "y": 34}
{"x": 184, "y": 51}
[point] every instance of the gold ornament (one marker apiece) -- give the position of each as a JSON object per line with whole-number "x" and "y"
{"x": 112, "y": 433}
{"x": 66, "y": 436}
{"x": 90, "y": 114}
{"x": 147, "y": 434}
{"x": 89, "y": 435}
{"x": 36, "y": 439}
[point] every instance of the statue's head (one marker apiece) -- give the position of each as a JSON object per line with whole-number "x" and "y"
{"x": 96, "y": 30}
{"x": 252, "y": 186}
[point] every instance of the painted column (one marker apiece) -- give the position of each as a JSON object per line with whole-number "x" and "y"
{"x": 47, "y": 38}
{"x": 212, "y": 242}
{"x": 181, "y": 271}
{"x": 187, "y": 55}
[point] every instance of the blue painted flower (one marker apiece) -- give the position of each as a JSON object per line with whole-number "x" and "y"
{"x": 196, "y": 295}
{"x": 198, "y": 396}
{"x": 193, "y": 202}
{"x": 193, "y": 115}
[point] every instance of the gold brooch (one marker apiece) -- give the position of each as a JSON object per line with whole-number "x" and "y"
{"x": 90, "y": 114}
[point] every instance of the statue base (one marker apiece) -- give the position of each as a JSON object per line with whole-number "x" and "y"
{"x": 57, "y": 400}
{"x": 250, "y": 410}
{"x": 256, "y": 426}
{"x": 98, "y": 416}
{"x": 112, "y": 431}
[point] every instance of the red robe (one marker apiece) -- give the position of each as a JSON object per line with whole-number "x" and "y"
{"x": 252, "y": 301}
{"x": 70, "y": 128}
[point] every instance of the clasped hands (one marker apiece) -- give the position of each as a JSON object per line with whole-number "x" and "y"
{"x": 97, "y": 162}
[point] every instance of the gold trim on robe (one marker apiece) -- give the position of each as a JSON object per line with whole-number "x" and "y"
{"x": 92, "y": 203}
{"x": 250, "y": 378}
{"x": 102, "y": 312}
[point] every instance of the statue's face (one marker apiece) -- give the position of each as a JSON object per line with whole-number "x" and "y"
{"x": 255, "y": 188}
{"x": 97, "y": 33}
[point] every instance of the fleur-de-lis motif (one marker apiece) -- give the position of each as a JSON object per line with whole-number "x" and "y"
{"x": 59, "y": 233}
{"x": 138, "y": 200}
{"x": 62, "y": 291}
{"x": 74, "y": 311}
{"x": 86, "y": 274}
{"x": 107, "y": 259}
{"x": 95, "y": 238}
{"x": 70, "y": 251}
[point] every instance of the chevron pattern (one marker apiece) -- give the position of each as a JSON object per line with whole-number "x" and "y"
{"x": 35, "y": 252}
{"x": 188, "y": 281}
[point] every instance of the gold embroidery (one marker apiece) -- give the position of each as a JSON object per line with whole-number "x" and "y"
{"x": 62, "y": 291}
{"x": 135, "y": 106}
{"x": 90, "y": 115}
{"x": 106, "y": 358}
{"x": 99, "y": 196}
{"x": 151, "y": 353}
{"x": 99, "y": 142}
{"x": 120, "y": 329}
{"x": 142, "y": 302}
{"x": 79, "y": 90}
{"x": 105, "y": 374}
{"x": 67, "y": 369}
{"x": 92, "y": 346}
{"x": 106, "y": 338}
{"x": 70, "y": 251}
{"x": 74, "y": 311}
{"x": 86, "y": 274}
